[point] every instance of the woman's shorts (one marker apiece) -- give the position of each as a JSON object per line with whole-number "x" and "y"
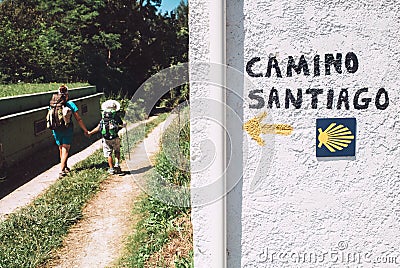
{"x": 63, "y": 137}
{"x": 111, "y": 145}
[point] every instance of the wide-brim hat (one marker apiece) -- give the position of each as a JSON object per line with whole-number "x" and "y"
{"x": 111, "y": 105}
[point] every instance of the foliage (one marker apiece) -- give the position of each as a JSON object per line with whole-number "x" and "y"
{"x": 29, "y": 88}
{"x": 30, "y": 235}
{"x": 158, "y": 218}
{"x": 172, "y": 162}
{"x": 113, "y": 44}
{"x": 185, "y": 262}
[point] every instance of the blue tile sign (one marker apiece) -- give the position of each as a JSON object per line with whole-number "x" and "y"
{"x": 336, "y": 137}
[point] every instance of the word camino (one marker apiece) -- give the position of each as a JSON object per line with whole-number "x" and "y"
{"x": 361, "y": 100}
{"x": 350, "y": 63}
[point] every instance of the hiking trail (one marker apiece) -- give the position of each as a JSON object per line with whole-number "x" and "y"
{"x": 99, "y": 238}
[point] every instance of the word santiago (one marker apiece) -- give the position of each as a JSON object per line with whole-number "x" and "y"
{"x": 360, "y": 100}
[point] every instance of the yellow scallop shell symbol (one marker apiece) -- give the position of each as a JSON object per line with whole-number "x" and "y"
{"x": 335, "y": 137}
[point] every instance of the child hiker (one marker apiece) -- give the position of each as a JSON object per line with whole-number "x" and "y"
{"x": 109, "y": 126}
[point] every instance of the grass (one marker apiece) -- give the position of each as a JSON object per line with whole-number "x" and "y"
{"x": 30, "y": 235}
{"x": 28, "y": 88}
{"x": 163, "y": 235}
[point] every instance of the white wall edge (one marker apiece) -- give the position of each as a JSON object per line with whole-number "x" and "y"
{"x": 217, "y": 93}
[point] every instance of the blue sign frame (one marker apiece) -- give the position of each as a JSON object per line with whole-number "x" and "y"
{"x": 336, "y": 138}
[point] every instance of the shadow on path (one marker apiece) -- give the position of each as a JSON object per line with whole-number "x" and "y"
{"x": 139, "y": 171}
{"x": 24, "y": 171}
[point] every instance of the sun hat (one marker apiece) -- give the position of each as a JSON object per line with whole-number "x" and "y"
{"x": 111, "y": 105}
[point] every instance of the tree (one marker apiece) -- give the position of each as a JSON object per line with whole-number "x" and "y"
{"x": 177, "y": 52}
{"x": 114, "y": 44}
{"x": 22, "y": 41}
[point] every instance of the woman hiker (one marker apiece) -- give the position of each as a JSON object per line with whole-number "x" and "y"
{"x": 63, "y": 136}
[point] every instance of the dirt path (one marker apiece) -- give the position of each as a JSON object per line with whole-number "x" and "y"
{"x": 98, "y": 239}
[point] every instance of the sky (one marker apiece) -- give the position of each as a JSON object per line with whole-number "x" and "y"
{"x": 168, "y": 5}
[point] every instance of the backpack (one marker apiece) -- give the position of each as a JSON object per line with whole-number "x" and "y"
{"x": 109, "y": 125}
{"x": 55, "y": 119}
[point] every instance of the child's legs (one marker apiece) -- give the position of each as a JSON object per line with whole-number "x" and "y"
{"x": 110, "y": 161}
{"x": 116, "y": 147}
{"x": 107, "y": 151}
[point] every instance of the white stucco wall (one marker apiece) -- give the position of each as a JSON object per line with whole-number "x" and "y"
{"x": 295, "y": 210}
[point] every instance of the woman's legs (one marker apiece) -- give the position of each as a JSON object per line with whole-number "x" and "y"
{"x": 64, "y": 151}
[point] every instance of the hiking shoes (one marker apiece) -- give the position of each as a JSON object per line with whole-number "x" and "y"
{"x": 111, "y": 171}
{"x": 117, "y": 170}
{"x": 62, "y": 174}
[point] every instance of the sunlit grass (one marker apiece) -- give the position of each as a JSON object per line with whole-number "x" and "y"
{"x": 28, "y": 88}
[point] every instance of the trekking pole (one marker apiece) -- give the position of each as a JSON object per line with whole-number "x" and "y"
{"x": 127, "y": 142}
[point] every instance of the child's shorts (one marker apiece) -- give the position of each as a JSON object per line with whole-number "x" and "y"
{"x": 110, "y": 146}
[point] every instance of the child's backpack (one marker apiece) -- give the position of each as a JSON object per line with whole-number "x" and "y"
{"x": 55, "y": 119}
{"x": 108, "y": 124}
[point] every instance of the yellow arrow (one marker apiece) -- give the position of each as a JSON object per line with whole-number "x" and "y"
{"x": 255, "y": 128}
